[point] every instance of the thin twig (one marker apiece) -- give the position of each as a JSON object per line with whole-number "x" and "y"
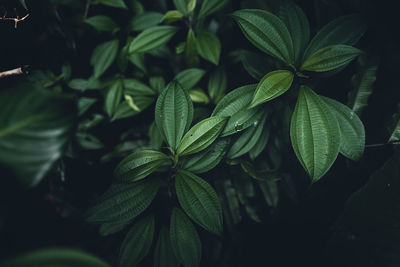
{"x": 16, "y": 19}
{"x": 17, "y": 71}
{"x": 384, "y": 144}
{"x": 86, "y": 10}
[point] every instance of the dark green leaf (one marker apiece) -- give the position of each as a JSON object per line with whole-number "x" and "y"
{"x": 209, "y": 7}
{"x": 102, "y": 23}
{"x": 181, "y": 5}
{"x": 137, "y": 242}
{"x": 185, "y": 241}
{"x": 155, "y": 136}
{"x": 190, "y": 77}
{"x": 235, "y": 101}
{"x": 209, "y": 47}
{"x": 135, "y": 88}
{"x": 35, "y": 126}
{"x": 267, "y": 32}
{"x": 217, "y": 84}
{"x": 270, "y": 191}
{"x": 144, "y": 21}
{"x": 157, "y": 83}
{"x": 191, "y": 57}
{"x": 163, "y": 253}
{"x": 113, "y": 98}
{"x": 103, "y": 56}
{"x": 88, "y": 141}
{"x": 85, "y": 103}
{"x": 152, "y": 38}
{"x": 242, "y": 120}
{"x": 257, "y": 65}
{"x": 23, "y": 3}
{"x": 261, "y": 143}
{"x": 139, "y": 61}
{"x": 110, "y": 228}
{"x": 113, "y": 3}
{"x": 124, "y": 110}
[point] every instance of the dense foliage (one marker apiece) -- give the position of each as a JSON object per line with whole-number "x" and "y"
{"x": 187, "y": 132}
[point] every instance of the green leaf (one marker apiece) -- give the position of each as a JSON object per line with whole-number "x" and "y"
{"x": 113, "y": 3}
{"x": 139, "y": 61}
{"x": 191, "y": 6}
{"x": 352, "y": 133}
{"x": 152, "y": 38}
{"x": 84, "y": 104}
{"x": 35, "y": 127}
{"x": 270, "y": 191}
{"x": 172, "y": 16}
{"x": 138, "y": 165}
{"x": 155, "y": 136}
{"x": 124, "y": 110}
{"x": 363, "y": 81}
{"x": 209, "y": 47}
{"x": 201, "y": 135}
{"x": 261, "y": 143}
{"x": 110, "y": 228}
{"x": 88, "y": 141}
{"x": 267, "y": 32}
{"x": 181, "y": 5}
{"x": 103, "y": 56}
{"x": 198, "y": 96}
{"x": 248, "y": 139}
{"x": 314, "y": 132}
{"x": 23, "y": 3}
{"x": 242, "y": 120}
{"x": 135, "y": 87}
{"x": 395, "y": 129}
{"x": 330, "y": 58}
{"x": 191, "y": 57}
{"x": 102, "y": 23}
{"x": 271, "y": 86}
{"x": 121, "y": 203}
{"x": 174, "y": 113}
{"x": 185, "y": 241}
{"x": 163, "y": 254}
{"x": 113, "y": 98}
{"x": 190, "y": 77}
{"x": 208, "y": 158}
{"x": 60, "y": 257}
{"x": 255, "y": 64}
{"x": 209, "y": 7}
{"x": 298, "y": 26}
{"x": 144, "y": 21}
{"x": 199, "y": 201}
{"x": 137, "y": 242}
{"x": 346, "y": 30}
{"x": 157, "y": 83}
{"x": 217, "y": 84}
{"x": 235, "y": 101}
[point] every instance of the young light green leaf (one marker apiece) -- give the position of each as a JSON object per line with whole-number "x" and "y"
{"x": 209, "y": 7}
{"x": 201, "y": 135}
{"x": 248, "y": 139}
{"x": 208, "y": 158}
{"x": 144, "y": 21}
{"x": 56, "y": 257}
{"x": 103, "y": 56}
{"x": 135, "y": 87}
{"x": 172, "y": 16}
{"x": 346, "y": 30}
{"x": 352, "y": 133}
{"x": 190, "y": 77}
{"x": 185, "y": 240}
{"x": 191, "y": 56}
{"x": 362, "y": 81}
{"x": 267, "y": 32}
{"x": 163, "y": 254}
{"x": 198, "y": 96}
{"x": 191, "y": 6}
{"x": 121, "y": 203}
{"x": 152, "y": 38}
{"x": 209, "y": 47}
{"x": 235, "y": 101}
{"x": 113, "y": 3}
{"x": 174, "y": 113}
{"x": 217, "y": 84}
{"x": 298, "y": 26}
{"x": 138, "y": 165}
{"x": 242, "y": 120}
{"x": 113, "y": 98}
{"x": 137, "y": 242}
{"x": 199, "y": 201}
{"x": 102, "y": 23}
{"x": 271, "y": 86}
{"x": 35, "y": 127}
{"x": 330, "y": 58}
{"x": 315, "y": 134}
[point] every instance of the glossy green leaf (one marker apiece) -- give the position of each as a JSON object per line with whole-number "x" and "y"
{"x": 217, "y": 84}
{"x": 135, "y": 87}
{"x": 121, "y": 203}
{"x": 199, "y": 201}
{"x": 363, "y": 81}
{"x": 201, "y": 135}
{"x": 113, "y": 98}
{"x": 235, "y": 101}
{"x": 267, "y": 32}
{"x": 346, "y": 30}
{"x": 352, "y": 133}
{"x": 199, "y": 96}
{"x": 60, "y": 257}
{"x": 248, "y": 139}
{"x": 152, "y": 38}
{"x": 138, "y": 165}
{"x": 208, "y": 158}
{"x": 174, "y": 113}
{"x": 271, "y": 86}
{"x": 102, "y": 23}
{"x": 172, "y": 16}
{"x": 209, "y": 47}
{"x": 256, "y": 65}
{"x": 144, "y": 21}
{"x": 113, "y": 3}
{"x": 163, "y": 254}
{"x": 209, "y": 7}
{"x": 330, "y": 58}
{"x": 261, "y": 143}
{"x": 185, "y": 240}
{"x": 190, "y": 77}
{"x": 137, "y": 242}
{"x": 314, "y": 133}
{"x": 103, "y": 56}
{"x": 35, "y": 127}
{"x": 242, "y": 120}
{"x": 191, "y": 56}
